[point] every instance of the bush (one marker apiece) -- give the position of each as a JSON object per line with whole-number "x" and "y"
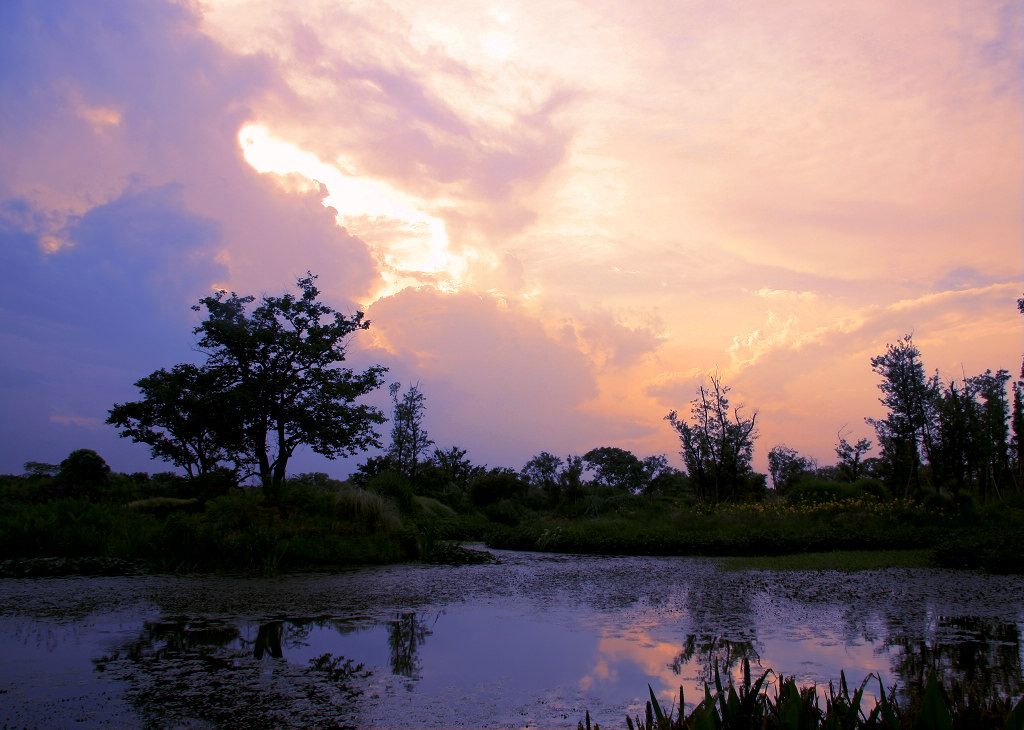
{"x": 505, "y": 512}
{"x": 82, "y": 474}
{"x": 395, "y": 487}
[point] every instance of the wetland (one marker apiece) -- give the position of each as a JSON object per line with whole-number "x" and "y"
{"x": 534, "y": 641}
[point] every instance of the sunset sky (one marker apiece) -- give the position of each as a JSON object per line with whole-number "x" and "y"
{"x": 559, "y": 216}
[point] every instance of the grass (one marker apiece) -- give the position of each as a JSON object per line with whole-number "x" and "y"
{"x": 843, "y": 560}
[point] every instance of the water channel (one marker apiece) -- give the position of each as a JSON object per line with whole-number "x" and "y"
{"x": 532, "y": 642}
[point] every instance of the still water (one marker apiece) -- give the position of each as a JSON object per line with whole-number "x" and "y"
{"x": 532, "y": 642}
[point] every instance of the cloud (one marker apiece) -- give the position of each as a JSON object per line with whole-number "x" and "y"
{"x": 613, "y": 343}
{"x": 470, "y": 139}
{"x": 123, "y": 198}
{"x": 786, "y": 295}
{"x": 746, "y": 349}
{"x": 496, "y": 381}
{"x": 81, "y": 421}
{"x": 620, "y": 193}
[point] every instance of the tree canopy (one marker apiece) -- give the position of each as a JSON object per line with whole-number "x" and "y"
{"x": 271, "y": 383}
{"x": 718, "y": 444}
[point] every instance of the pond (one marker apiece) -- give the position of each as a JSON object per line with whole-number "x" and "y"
{"x": 532, "y": 642}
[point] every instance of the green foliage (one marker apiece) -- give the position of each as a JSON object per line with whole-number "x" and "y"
{"x": 816, "y": 491}
{"x": 393, "y": 486}
{"x": 168, "y": 523}
{"x": 667, "y": 527}
{"x": 751, "y": 706}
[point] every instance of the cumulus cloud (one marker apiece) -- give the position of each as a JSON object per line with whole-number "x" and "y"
{"x": 587, "y": 201}
{"x": 505, "y": 387}
{"x": 746, "y": 349}
{"x": 124, "y": 197}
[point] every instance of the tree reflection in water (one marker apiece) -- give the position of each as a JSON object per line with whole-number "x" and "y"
{"x": 714, "y": 651}
{"x": 406, "y": 634}
{"x": 980, "y": 655}
{"x": 179, "y": 672}
{"x": 724, "y": 629}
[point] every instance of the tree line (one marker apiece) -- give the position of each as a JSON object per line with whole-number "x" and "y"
{"x": 274, "y": 379}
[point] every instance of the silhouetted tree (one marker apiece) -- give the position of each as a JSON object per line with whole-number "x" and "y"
{"x": 570, "y": 479}
{"x": 276, "y": 372}
{"x": 542, "y": 473}
{"x": 907, "y": 430}
{"x": 786, "y": 466}
{"x": 851, "y": 465}
{"x": 409, "y": 438}
{"x": 497, "y": 484}
{"x": 82, "y": 474}
{"x": 718, "y": 444}
{"x": 188, "y": 416}
{"x": 1017, "y": 426}
{"x": 454, "y": 466}
{"x": 1017, "y": 422}
{"x": 616, "y": 468}
{"x": 993, "y": 434}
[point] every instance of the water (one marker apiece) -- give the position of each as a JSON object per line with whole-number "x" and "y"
{"x": 532, "y": 642}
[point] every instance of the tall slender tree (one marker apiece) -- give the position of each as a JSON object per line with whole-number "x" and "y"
{"x": 906, "y": 434}
{"x": 718, "y": 445}
{"x": 409, "y": 439}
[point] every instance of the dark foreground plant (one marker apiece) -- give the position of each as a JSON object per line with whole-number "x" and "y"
{"x": 799, "y": 708}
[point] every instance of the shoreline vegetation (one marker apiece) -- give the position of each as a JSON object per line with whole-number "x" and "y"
{"x": 948, "y": 481}
{"x": 74, "y": 519}
{"x": 751, "y": 705}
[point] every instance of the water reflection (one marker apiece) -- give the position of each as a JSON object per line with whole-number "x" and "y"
{"x": 180, "y": 671}
{"x": 406, "y": 635}
{"x": 980, "y": 655}
{"x": 268, "y": 640}
{"x": 709, "y": 652}
{"x": 531, "y": 642}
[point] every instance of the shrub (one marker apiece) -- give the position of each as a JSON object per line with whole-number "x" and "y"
{"x": 82, "y": 474}
{"x": 395, "y": 487}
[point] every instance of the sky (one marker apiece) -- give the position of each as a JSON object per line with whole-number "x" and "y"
{"x": 559, "y": 216}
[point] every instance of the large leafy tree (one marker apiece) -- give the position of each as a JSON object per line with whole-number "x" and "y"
{"x": 542, "y": 472}
{"x": 621, "y": 469}
{"x": 186, "y": 415}
{"x": 1017, "y": 422}
{"x": 718, "y": 443}
{"x": 272, "y": 382}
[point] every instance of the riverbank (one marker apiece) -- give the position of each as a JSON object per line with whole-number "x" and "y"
{"x": 991, "y": 539}
{"x": 168, "y": 524}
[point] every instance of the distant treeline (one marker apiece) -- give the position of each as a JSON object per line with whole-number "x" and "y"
{"x": 949, "y": 459}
